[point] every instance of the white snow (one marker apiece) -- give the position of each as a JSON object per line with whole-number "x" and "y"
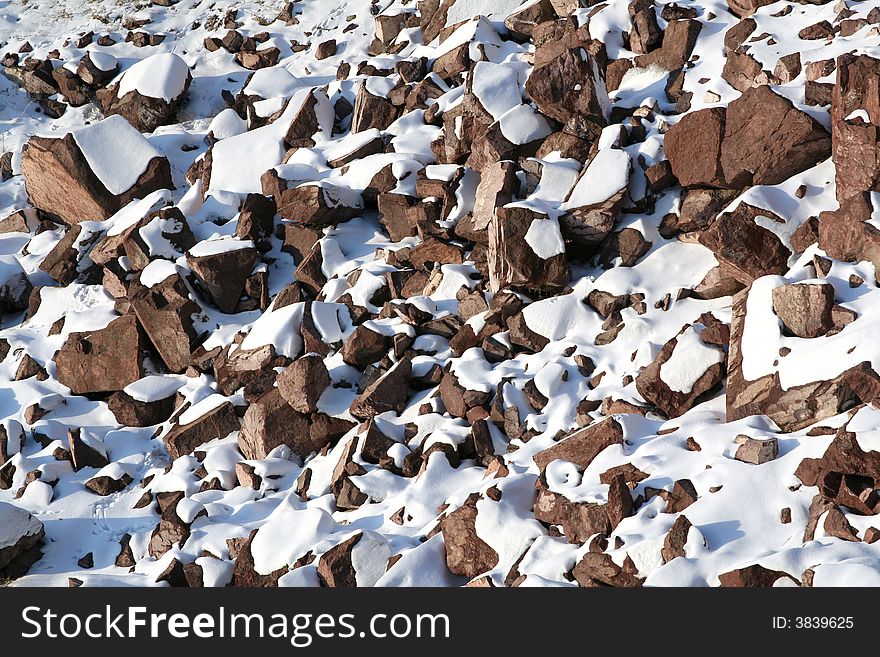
{"x": 116, "y": 152}
{"x": 157, "y": 271}
{"x": 16, "y": 523}
{"x": 606, "y": 175}
{"x": 211, "y": 247}
{"x": 690, "y": 359}
{"x": 160, "y": 76}
{"x": 153, "y": 388}
{"x": 545, "y": 238}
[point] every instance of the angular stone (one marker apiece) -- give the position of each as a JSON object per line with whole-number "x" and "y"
{"x": 105, "y": 360}
{"x": 467, "y": 554}
{"x": 512, "y": 258}
{"x": 805, "y": 309}
{"x": 303, "y": 382}
{"x": 223, "y": 273}
{"x": 219, "y": 422}
{"x": 583, "y": 445}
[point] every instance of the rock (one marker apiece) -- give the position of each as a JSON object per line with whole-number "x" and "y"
{"x": 165, "y": 311}
{"x": 751, "y": 576}
{"x": 21, "y": 536}
{"x": 270, "y": 421}
{"x": 746, "y": 7}
{"x": 106, "y": 485}
{"x": 389, "y": 392}
{"x": 303, "y": 382}
{"x": 742, "y": 71}
{"x": 581, "y": 520}
{"x": 254, "y": 60}
{"x": 245, "y": 575}
{"x": 682, "y": 495}
{"x": 358, "y": 561}
{"x": 319, "y": 204}
{"x": 498, "y": 184}
{"x": 676, "y": 539}
{"x": 598, "y": 569}
{"x": 61, "y": 182}
{"x": 526, "y": 250}
{"x": 371, "y": 111}
{"x": 838, "y": 526}
{"x": 846, "y": 235}
{"x": 467, "y": 554}
{"x": 566, "y": 83}
{"x": 820, "y": 30}
{"x": 83, "y": 455}
{"x": 106, "y": 360}
{"x": 15, "y": 286}
{"x": 679, "y": 39}
{"x": 364, "y": 347}
{"x": 794, "y": 407}
{"x": 760, "y": 139}
{"x": 685, "y": 370}
{"x": 623, "y": 248}
{"x": 131, "y": 412}
{"x": 149, "y": 92}
{"x": 583, "y": 445}
{"x": 845, "y": 474}
{"x": 457, "y": 399}
{"x": 693, "y": 147}
{"x": 92, "y": 74}
{"x": 805, "y": 309}
{"x": 219, "y": 422}
{"x": 523, "y": 21}
{"x": 757, "y": 452}
{"x": 645, "y": 34}
{"x": 223, "y": 269}
{"x": 767, "y": 140}
{"x": 746, "y": 249}
{"x": 325, "y": 49}
{"x": 856, "y": 142}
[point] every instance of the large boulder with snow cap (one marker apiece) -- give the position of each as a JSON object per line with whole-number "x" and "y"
{"x": 92, "y": 172}
{"x": 149, "y": 92}
{"x": 20, "y": 537}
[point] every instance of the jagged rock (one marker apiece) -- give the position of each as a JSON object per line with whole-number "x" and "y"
{"x": 61, "y": 181}
{"x": 467, "y": 554}
{"x": 20, "y": 539}
{"x": 685, "y": 370}
{"x": 855, "y": 125}
{"x": 143, "y": 103}
{"x": 389, "y": 392}
{"x": 219, "y": 422}
{"x": 580, "y": 520}
{"x": 567, "y": 84}
{"x": 303, "y": 382}
{"x": 751, "y": 576}
{"x": 320, "y": 204}
{"x": 106, "y": 360}
{"x": 165, "y": 311}
{"x": 805, "y": 309}
{"x": 583, "y": 445}
{"x": 245, "y": 575}
{"x": 598, "y": 569}
{"x": 526, "y": 249}
{"x": 223, "y": 267}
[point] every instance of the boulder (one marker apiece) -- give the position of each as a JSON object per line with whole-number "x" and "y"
{"x": 526, "y": 250}
{"x": 467, "y": 554}
{"x": 149, "y": 93}
{"x": 184, "y": 438}
{"x": 303, "y": 382}
{"x": 684, "y": 372}
{"x": 222, "y": 267}
{"x": 92, "y": 172}
{"x": 855, "y": 126}
{"x": 101, "y": 361}
{"x": 583, "y": 445}
{"x": 805, "y": 308}
{"x": 20, "y": 538}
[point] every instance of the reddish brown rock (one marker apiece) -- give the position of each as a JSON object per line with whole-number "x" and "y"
{"x": 746, "y": 249}
{"x": 513, "y": 261}
{"x": 856, "y": 142}
{"x": 751, "y": 576}
{"x": 318, "y": 204}
{"x": 597, "y": 569}
{"x": 372, "y": 111}
{"x": 467, "y": 554}
{"x": 219, "y": 422}
{"x": 165, "y": 311}
{"x": 566, "y": 83}
{"x": 60, "y": 181}
{"x": 22, "y": 549}
{"x": 676, "y": 539}
{"x": 303, "y": 382}
{"x": 245, "y": 575}
{"x": 580, "y": 520}
{"x": 106, "y": 360}
{"x": 389, "y": 392}
{"x": 674, "y": 400}
{"x": 693, "y": 147}
{"x": 583, "y": 445}
{"x": 223, "y": 273}
{"x": 805, "y": 309}
{"x": 797, "y": 406}
{"x": 131, "y": 412}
